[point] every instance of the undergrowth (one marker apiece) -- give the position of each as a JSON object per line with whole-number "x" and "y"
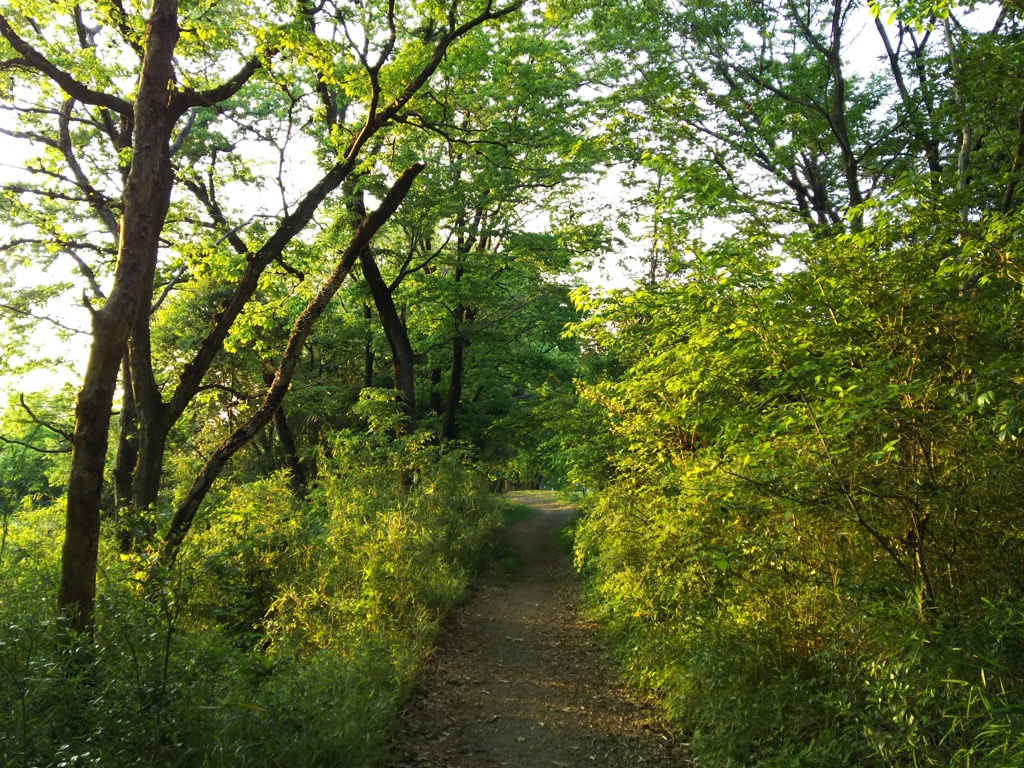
{"x": 805, "y": 529}
{"x": 286, "y": 635}
{"x": 760, "y": 669}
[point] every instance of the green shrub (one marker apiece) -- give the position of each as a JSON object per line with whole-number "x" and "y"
{"x": 808, "y": 533}
{"x": 286, "y": 634}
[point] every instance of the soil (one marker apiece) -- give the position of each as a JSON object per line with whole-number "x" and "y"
{"x": 520, "y": 679}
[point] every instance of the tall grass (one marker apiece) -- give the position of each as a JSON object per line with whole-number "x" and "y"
{"x": 287, "y": 635}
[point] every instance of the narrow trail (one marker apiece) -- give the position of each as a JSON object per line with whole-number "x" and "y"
{"x": 519, "y": 679}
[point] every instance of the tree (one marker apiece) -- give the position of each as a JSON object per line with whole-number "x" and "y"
{"x": 754, "y": 114}
{"x": 495, "y": 157}
{"x": 364, "y": 68}
{"x": 147, "y": 195}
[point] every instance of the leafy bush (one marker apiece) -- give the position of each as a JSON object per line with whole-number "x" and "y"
{"x": 809, "y": 537}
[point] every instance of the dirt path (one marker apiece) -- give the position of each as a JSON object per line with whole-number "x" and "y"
{"x": 520, "y": 680}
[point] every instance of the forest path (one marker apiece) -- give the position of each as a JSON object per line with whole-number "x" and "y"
{"x": 520, "y": 679}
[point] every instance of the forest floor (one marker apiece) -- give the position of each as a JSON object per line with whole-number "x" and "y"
{"x": 521, "y": 679}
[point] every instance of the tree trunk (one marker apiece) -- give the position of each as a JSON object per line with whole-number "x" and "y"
{"x": 291, "y": 453}
{"x": 124, "y": 462}
{"x": 402, "y": 357}
{"x": 837, "y": 119}
{"x": 1015, "y": 166}
{"x": 449, "y": 428}
{"x": 436, "y": 407}
{"x": 145, "y": 202}
{"x": 153, "y": 426}
{"x": 287, "y": 439}
{"x": 963, "y": 163}
{"x": 368, "y": 356}
{"x": 914, "y": 111}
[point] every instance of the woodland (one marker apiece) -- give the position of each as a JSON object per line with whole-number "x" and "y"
{"x": 309, "y": 281}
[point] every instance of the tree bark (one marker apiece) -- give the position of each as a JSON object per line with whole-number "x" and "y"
{"x": 153, "y": 426}
{"x": 1006, "y": 205}
{"x": 928, "y": 142}
{"x": 287, "y": 440}
{"x": 963, "y": 161}
{"x": 837, "y": 119}
{"x": 435, "y": 392}
{"x": 395, "y": 331}
{"x": 145, "y": 202}
{"x": 368, "y": 356}
{"x": 124, "y": 462}
{"x": 402, "y": 357}
{"x": 462, "y": 316}
{"x": 450, "y": 425}
{"x": 291, "y": 453}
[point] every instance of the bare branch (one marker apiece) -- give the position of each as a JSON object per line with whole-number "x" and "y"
{"x": 219, "y": 219}
{"x": 239, "y": 396}
{"x": 29, "y": 136}
{"x": 127, "y": 33}
{"x": 88, "y": 273}
{"x": 179, "y": 277}
{"x": 69, "y": 244}
{"x": 375, "y": 120}
{"x": 407, "y": 268}
{"x": 183, "y": 134}
{"x": 21, "y": 312}
{"x": 36, "y": 448}
{"x": 290, "y": 269}
{"x": 185, "y": 100}
{"x": 23, "y": 190}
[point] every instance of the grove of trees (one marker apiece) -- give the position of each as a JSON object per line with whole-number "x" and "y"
{"x": 326, "y": 259}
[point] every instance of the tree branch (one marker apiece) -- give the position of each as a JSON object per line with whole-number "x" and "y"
{"x": 181, "y": 276}
{"x": 282, "y": 379}
{"x": 88, "y": 274}
{"x": 42, "y": 318}
{"x": 36, "y": 448}
{"x": 185, "y": 100}
{"x": 98, "y": 201}
{"x": 33, "y": 59}
{"x": 1015, "y": 169}
{"x": 52, "y": 427}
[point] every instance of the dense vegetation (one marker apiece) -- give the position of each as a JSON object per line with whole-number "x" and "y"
{"x": 805, "y": 529}
{"x": 287, "y": 634}
{"x": 326, "y": 258}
